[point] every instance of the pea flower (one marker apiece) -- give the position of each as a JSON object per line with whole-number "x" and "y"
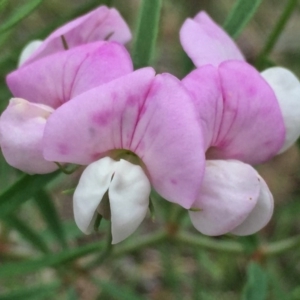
{"x": 247, "y": 118}
{"x": 137, "y": 131}
{"x": 208, "y": 44}
{"x": 100, "y": 24}
{"x": 42, "y": 86}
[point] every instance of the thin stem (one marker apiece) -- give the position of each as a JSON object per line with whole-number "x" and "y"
{"x": 106, "y": 252}
{"x": 151, "y": 239}
{"x": 277, "y": 30}
{"x": 274, "y": 248}
{"x": 129, "y": 247}
{"x": 173, "y": 223}
{"x": 281, "y": 246}
{"x": 208, "y": 243}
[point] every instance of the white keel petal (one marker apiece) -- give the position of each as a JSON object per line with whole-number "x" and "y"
{"x": 129, "y": 199}
{"x": 93, "y": 184}
{"x": 228, "y": 194}
{"x": 286, "y": 87}
{"x": 260, "y": 215}
{"x": 28, "y": 50}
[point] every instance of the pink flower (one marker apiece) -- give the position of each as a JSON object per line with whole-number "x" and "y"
{"x": 137, "y": 130}
{"x": 100, "y": 24}
{"x": 247, "y": 118}
{"x": 46, "y": 84}
{"x": 279, "y": 89}
{"x": 49, "y": 76}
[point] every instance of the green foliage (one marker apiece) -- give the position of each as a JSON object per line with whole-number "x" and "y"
{"x": 240, "y": 15}
{"x": 51, "y": 260}
{"x": 257, "y": 283}
{"x": 50, "y": 215}
{"x": 147, "y": 31}
{"x": 18, "y": 14}
{"x": 34, "y": 293}
{"x": 23, "y": 190}
{"x": 29, "y": 234}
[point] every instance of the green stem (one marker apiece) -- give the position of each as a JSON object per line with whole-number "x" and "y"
{"x": 277, "y": 30}
{"x": 128, "y": 247}
{"x": 281, "y": 246}
{"x": 151, "y": 239}
{"x": 208, "y": 243}
{"x": 274, "y": 248}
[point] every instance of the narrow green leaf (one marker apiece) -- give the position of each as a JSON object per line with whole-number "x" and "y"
{"x": 19, "y": 13}
{"x": 147, "y": 31}
{"x": 276, "y": 32}
{"x": 39, "y": 293}
{"x": 50, "y": 215}
{"x": 240, "y": 15}
{"x": 24, "y": 189}
{"x": 51, "y": 260}
{"x": 3, "y": 3}
{"x": 28, "y": 233}
{"x": 256, "y": 287}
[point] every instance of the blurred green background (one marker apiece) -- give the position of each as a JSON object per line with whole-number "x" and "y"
{"x": 44, "y": 256}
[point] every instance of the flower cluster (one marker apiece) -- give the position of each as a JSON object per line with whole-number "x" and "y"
{"x": 78, "y": 100}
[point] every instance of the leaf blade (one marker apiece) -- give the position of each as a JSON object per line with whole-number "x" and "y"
{"x": 22, "y": 190}
{"x": 28, "y": 233}
{"x": 147, "y": 32}
{"x": 50, "y": 216}
{"x": 256, "y": 287}
{"x": 240, "y": 15}
{"x": 51, "y": 260}
{"x": 19, "y": 14}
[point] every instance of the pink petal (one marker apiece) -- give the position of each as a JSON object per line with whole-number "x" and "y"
{"x": 169, "y": 140}
{"x": 94, "y": 26}
{"x": 260, "y": 215}
{"x": 205, "y": 88}
{"x": 229, "y": 192}
{"x": 205, "y": 42}
{"x": 21, "y": 131}
{"x": 98, "y": 120}
{"x": 59, "y": 77}
{"x": 152, "y": 117}
{"x": 252, "y": 128}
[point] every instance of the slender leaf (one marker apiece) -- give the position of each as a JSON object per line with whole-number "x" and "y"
{"x": 51, "y": 260}
{"x": 3, "y": 3}
{"x": 28, "y": 233}
{"x": 50, "y": 215}
{"x": 257, "y": 283}
{"x": 19, "y": 13}
{"x": 276, "y": 32}
{"x": 240, "y": 15}
{"x": 147, "y": 30}
{"x": 24, "y": 189}
{"x": 33, "y": 293}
